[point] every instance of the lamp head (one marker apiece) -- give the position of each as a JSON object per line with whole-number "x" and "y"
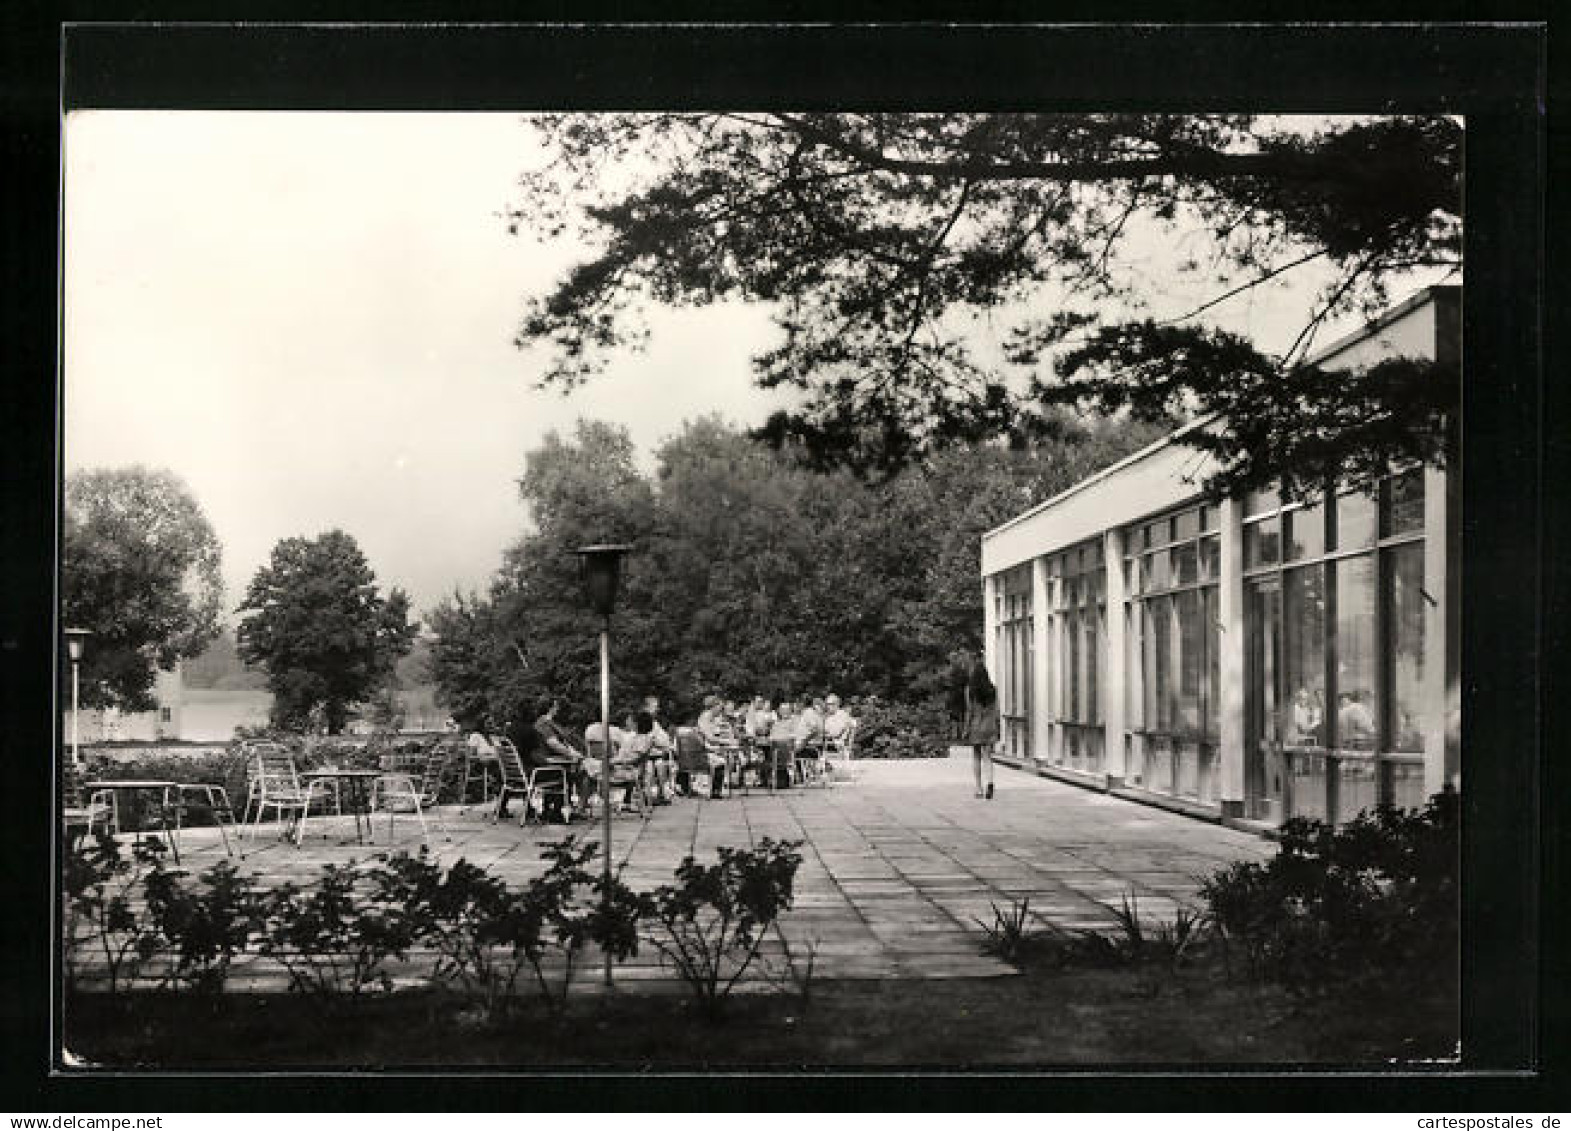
{"x": 75, "y": 641}
{"x": 600, "y": 567}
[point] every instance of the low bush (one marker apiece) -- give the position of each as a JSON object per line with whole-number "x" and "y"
{"x": 333, "y": 939}
{"x": 203, "y": 926}
{"x": 485, "y": 936}
{"x": 899, "y": 730}
{"x": 710, "y": 924}
{"x": 1370, "y": 905}
{"x": 101, "y": 915}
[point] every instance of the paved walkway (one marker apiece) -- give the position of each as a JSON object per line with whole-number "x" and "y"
{"x": 897, "y": 865}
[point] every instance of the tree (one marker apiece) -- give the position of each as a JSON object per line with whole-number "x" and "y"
{"x": 317, "y": 624}
{"x": 881, "y": 239}
{"x": 140, "y": 570}
{"x": 751, "y": 573}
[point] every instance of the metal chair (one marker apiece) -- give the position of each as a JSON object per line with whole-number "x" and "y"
{"x": 81, "y": 811}
{"x": 217, "y": 798}
{"x": 394, "y": 788}
{"x": 839, "y": 751}
{"x": 527, "y": 783}
{"x": 275, "y": 784}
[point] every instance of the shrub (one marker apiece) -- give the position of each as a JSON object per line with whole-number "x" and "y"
{"x": 204, "y": 927}
{"x": 1372, "y": 905}
{"x": 329, "y": 940}
{"x": 485, "y": 936}
{"x": 100, "y": 915}
{"x": 899, "y": 730}
{"x": 712, "y": 921}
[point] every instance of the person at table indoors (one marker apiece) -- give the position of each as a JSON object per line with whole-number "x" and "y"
{"x": 981, "y": 725}
{"x": 1355, "y": 723}
{"x": 1307, "y": 717}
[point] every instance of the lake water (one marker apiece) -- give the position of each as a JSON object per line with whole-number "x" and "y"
{"x": 208, "y": 715}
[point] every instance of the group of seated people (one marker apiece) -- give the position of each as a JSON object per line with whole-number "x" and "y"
{"x": 725, "y": 740}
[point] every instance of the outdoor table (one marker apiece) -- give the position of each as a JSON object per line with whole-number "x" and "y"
{"x": 116, "y": 786}
{"x": 356, "y": 791}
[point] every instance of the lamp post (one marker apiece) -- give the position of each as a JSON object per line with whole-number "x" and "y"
{"x": 75, "y": 641}
{"x": 600, "y": 567}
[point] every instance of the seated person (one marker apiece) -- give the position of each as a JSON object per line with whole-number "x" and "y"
{"x": 838, "y": 722}
{"x": 551, "y": 747}
{"x": 662, "y": 753}
{"x": 783, "y": 742}
{"x": 1355, "y": 723}
{"x": 696, "y": 761}
{"x": 810, "y": 728}
{"x": 713, "y": 723}
{"x": 641, "y": 749}
{"x": 760, "y": 717}
{"x": 625, "y": 765}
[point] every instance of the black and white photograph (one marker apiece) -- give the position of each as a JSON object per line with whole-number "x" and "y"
{"x": 706, "y": 587}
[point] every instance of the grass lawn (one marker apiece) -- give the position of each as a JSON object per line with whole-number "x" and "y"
{"x": 1141, "y": 1016}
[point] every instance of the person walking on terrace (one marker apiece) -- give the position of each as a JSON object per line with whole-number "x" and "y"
{"x": 981, "y": 725}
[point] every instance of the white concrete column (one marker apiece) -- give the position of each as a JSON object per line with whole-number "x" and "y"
{"x": 1116, "y": 677}
{"x": 1442, "y": 635}
{"x": 1230, "y": 639}
{"x": 1042, "y": 660}
{"x": 990, "y": 628}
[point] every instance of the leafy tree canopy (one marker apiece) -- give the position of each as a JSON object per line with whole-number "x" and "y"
{"x": 140, "y": 569}
{"x": 316, "y": 622}
{"x": 882, "y": 239}
{"x": 751, "y": 574}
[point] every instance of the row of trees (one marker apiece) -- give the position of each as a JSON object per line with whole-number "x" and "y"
{"x": 141, "y": 570}
{"x": 753, "y": 573}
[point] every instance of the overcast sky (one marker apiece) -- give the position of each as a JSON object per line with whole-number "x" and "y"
{"x": 309, "y": 317}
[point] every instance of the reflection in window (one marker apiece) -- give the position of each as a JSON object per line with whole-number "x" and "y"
{"x": 1303, "y": 660}
{"x": 1191, "y": 663}
{"x": 1355, "y": 521}
{"x": 1404, "y": 645}
{"x": 1305, "y": 535}
{"x": 1357, "y": 706}
{"x": 1402, "y": 505}
{"x": 1262, "y": 543}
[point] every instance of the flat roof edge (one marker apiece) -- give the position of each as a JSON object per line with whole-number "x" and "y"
{"x": 1428, "y": 294}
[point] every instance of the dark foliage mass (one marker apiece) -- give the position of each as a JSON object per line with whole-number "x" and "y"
{"x": 882, "y": 240}
{"x": 1370, "y": 906}
{"x": 751, "y": 575}
{"x": 326, "y": 637}
{"x": 139, "y": 570}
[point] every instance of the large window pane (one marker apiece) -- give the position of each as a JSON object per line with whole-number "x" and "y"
{"x": 1191, "y": 662}
{"x": 1158, "y": 641}
{"x": 1357, "y": 708}
{"x": 1402, "y": 504}
{"x": 1303, "y": 660}
{"x": 1305, "y": 535}
{"x": 1404, "y": 646}
{"x": 1210, "y": 559}
{"x": 1213, "y": 684}
{"x": 1157, "y": 576}
{"x": 1355, "y": 521}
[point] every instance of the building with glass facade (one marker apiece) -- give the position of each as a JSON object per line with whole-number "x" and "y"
{"x": 1249, "y": 660}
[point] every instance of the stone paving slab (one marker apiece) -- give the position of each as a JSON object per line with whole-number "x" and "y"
{"x": 898, "y": 864}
